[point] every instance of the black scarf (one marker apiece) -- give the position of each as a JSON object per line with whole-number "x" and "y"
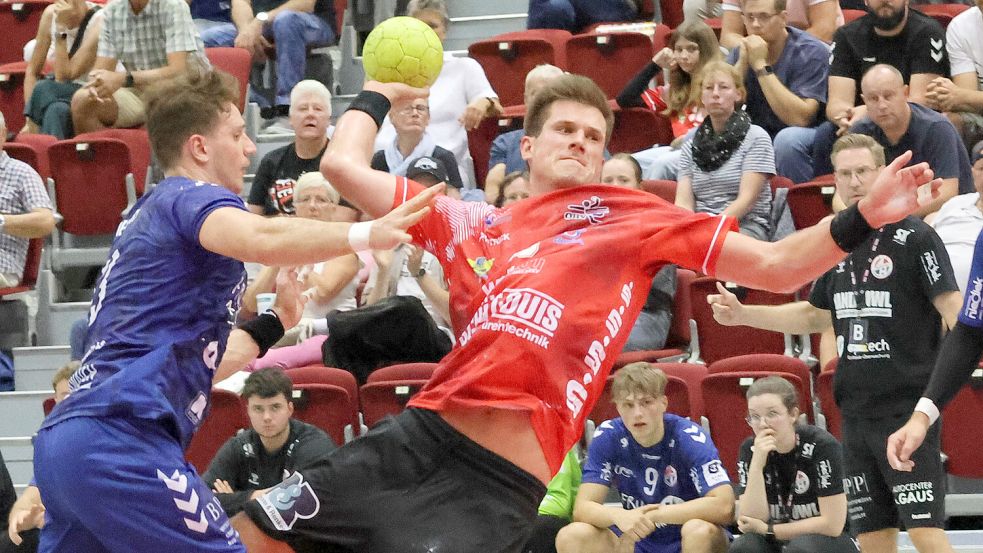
{"x": 711, "y": 150}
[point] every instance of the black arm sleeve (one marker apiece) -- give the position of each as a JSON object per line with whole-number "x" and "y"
{"x": 631, "y": 95}
{"x": 959, "y": 356}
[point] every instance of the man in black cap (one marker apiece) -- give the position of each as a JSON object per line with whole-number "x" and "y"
{"x": 427, "y": 169}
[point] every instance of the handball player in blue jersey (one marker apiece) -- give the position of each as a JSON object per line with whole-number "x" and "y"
{"x": 109, "y": 460}
{"x": 675, "y": 493}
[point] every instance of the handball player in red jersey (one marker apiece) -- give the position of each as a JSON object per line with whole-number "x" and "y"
{"x": 543, "y": 296}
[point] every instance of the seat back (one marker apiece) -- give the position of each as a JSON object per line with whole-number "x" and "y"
{"x": 19, "y": 21}
{"x": 319, "y": 374}
{"x": 827, "y": 403}
{"x": 327, "y": 407}
{"x": 137, "y": 142}
{"x": 480, "y": 142}
{"x": 637, "y": 129}
{"x": 11, "y": 89}
{"x": 665, "y": 189}
{"x": 226, "y": 416}
{"x": 39, "y": 143}
{"x": 507, "y": 58}
{"x": 959, "y": 426}
{"x": 809, "y": 202}
{"x": 852, "y": 15}
{"x": 677, "y": 392}
{"x": 942, "y": 13}
{"x": 692, "y": 374}
{"x": 771, "y": 363}
{"x": 594, "y": 55}
{"x": 404, "y": 371}
{"x": 381, "y": 398}
{"x": 85, "y": 169}
{"x": 32, "y": 267}
{"x": 724, "y": 404}
{"x": 237, "y": 62}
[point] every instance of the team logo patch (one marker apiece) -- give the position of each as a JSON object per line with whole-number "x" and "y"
{"x": 670, "y": 477}
{"x": 481, "y": 266}
{"x": 290, "y": 500}
{"x": 570, "y": 237}
{"x": 589, "y": 210}
{"x": 881, "y": 267}
{"x": 801, "y": 483}
{"x": 714, "y": 473}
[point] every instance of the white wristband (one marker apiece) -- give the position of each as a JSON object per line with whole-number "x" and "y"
{"x": 358, "y": 235}
{"x": 928, "y": 407}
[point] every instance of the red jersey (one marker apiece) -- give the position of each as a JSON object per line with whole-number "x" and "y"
{"x": 681, "y": 121}
{"x": 543, "y": 295}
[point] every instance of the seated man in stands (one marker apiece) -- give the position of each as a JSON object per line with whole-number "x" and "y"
{"x": 819, "y": 18}
{"x": 25, "y": 212}
{"x": 276, "y": 444}
{"x": 505, "y": 158}
{"x": 154, "y": 40}
{"x": 412, "y": 143}
{"x": 576, "y": 15}
{"x": 960, "y": 97}
{"x": 272, "y": 191}
{"x": 675, "y": 493}
{"x": 959, "y": 223}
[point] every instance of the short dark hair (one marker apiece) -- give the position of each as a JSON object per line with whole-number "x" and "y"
{"x": 267, "y": 383}
{"x": 575, "y": 88}
{"x": 185, "y": 106}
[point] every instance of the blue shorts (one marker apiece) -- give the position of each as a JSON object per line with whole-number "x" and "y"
{"x": 660, "y": 542}
{"x": 111, "y": 485}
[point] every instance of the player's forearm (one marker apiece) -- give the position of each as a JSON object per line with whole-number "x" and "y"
{"x": 346, "y": 164}
{"x": 948, "y": 190}
{"x": 799, "y": 317}
{"x": 289, "y": 241}
{"x": 595, "y": 514}
{"x": 30, "y": 498}
{"x": 240, "y": 350}
{"x": 959, "y": 356}
{"x": 716, "y": 510}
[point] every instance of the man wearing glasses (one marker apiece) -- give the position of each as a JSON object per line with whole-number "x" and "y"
{"x": 885, "y": 303}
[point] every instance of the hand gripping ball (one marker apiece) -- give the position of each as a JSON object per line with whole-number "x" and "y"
{"x": 405, "y": 50}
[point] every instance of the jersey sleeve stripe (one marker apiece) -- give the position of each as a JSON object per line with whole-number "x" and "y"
{"x": 713, "y": 242}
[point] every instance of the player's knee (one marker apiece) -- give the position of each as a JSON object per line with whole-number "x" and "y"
{"x": 698, "y": 535}
{"x": 928, "y": 539}
{"x": 576, "y": 537}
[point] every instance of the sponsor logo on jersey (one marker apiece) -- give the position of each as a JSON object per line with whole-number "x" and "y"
{"x": 799, "y": 512}
{"x": 606, "y": 471}
{"x": 494, "y": 241}
{"x": 856, "y": 485}
{"x": 880, "y": 346}
{"x": 930, "y": 263}
{"x": 526, "y": 253}
{"x": 624, "y": 471}
{"x": 670, "y": 477}
{"x": 881, "y": 267}
{"x": 973, "y": 297}
{"x": 877, "y": 303}
{"x": 901, "y": 236}
{"x": 290, "y": 500}
{"x": 651, "y": 457}
{"x": 714, "y": 473}
{"x": 83, "y": 377}
{"x": 527, "y": 267}
{"x": 495, "y": 219}
{"x": 824, "y": 474}
{"x": 247, "y": 450}
{"x": 589, "y": 210}
{"x": 840, "y": 267}
{"x": 196, "y": 409}
{"x": 481, "y": 266}
{"x": 801, "y": 482}
{"x": 913, "y": 492}
{"x": 523, "y": 312}
{"x": 570, "y": 237}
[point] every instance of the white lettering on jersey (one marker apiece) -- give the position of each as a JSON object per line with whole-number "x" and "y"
{"x": 877, "y": 304}
{"x": 973, "y": 297}
{"x": 930, "y": 264}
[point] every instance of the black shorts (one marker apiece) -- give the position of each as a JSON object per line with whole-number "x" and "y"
{"x": 413, "y": 484}
{"x": 880, "y": 497}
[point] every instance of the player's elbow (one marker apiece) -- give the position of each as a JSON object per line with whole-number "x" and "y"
{"x": 334, "y": 164}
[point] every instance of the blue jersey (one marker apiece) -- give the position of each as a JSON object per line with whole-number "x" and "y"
{"x": 972, "y": 312}
{"x": 160, "y": 315}
{"x": 683, "y": 466}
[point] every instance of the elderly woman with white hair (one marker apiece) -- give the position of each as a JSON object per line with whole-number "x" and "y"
{"x": 272, "y": 192}
{"x": 330, "y": 285}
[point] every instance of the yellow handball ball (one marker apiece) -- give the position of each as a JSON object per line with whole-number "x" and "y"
{"x": 405, "y": 50}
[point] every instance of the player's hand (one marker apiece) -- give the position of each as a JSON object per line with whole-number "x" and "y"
{"x": 727, "y": 309}
{"x": 390, "y": 230}
{"x": 290, "y": 299}
{"x": 750, "y": 525}
{"x": 634, "y": 523}
{"x": 905, "y": 441}
{"x": 764, "y": 443}
{"x": 23, "y": 520}
{"x": 899, "y": 191}
{"x": 664, "y": 58}
{"x": 221, "y": 486}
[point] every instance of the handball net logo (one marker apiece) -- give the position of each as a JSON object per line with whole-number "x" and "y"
{"x": 290, "y": 500}
{"x": 590, "y": 210}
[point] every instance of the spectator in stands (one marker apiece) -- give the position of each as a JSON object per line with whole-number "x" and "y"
{"x": 790, "y": 479}
{"x": 26, "y": 515}
{"x": 25, "y": 212}
{"x": 459, "y": 99}
{"x": 652, "y": 326}
{"x": 900, "y": 125}
{"x": 290, "y": 26}
{"x": 884, "y": 302}
{"x": 413, "y": 143}
{"x": 275, "y": 444}
{"x": 960, "y": 97}
{"x": 208, "y": 14}
{"x": 504, "y": 157}
{"x": 693, "y": 498}
{"x": 67, "y": 38}
{"x": 154, "y": 40}
{"x": 272, "y": 190}
{"x": 726, "y": 166}
{"x": 691, "y": 46}
{"x": 515, "y": 187}
{"x": 576, "y": 15}
{"x": 330, "y": 285}
{"x": 959, "y": 223}
{"x": 891, "y": 33}
{"x": 786, "y": 71}
{"x": 819, "y": 18}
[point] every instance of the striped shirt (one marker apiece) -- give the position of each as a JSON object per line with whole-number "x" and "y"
{"x": 143, "y": 41}
{"x": 21, "y": 191}
{"x": 716, "y": 190}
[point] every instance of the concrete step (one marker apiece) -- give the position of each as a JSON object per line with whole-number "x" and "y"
{"x": 21, "y": 413}
{"x": 34, "y": 367}
{"x": 18, "y": 454}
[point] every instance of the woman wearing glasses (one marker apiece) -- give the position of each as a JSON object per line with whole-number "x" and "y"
{"x": 790, "y": 479}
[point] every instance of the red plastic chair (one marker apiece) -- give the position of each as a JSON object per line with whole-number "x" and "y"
{"x": 672, "y": 12}
{"x": 507, "y": 58}
{"x": 724, "y": 404}
{"x": 388, "y": 389}
{"x": 677, "y": 392}
{"x": 12, "y": 89}
{"x": 32, "y": 267}
{"x": 852, "y": 15}
{"x": 237, "y": 62}
{"x": 19, "y": 22}
{"x": 48, "y": 405}
{"x": 960, "y": 421}
{"x": 665, "y": 189}
{"x": 403, "y": 371}
{"x": 943, "y": 13}
{"x": 319, "y": 374}
{"x": 637, "y": 129}
{"x": 596, "y": 54}
{"x": 226, "y": 416}
{"x": 327, "y": 407}
{"x": 32, "y": 149}
{"x": 678, "y": 342}
{"x": 137, "y": 142}
{"x": 827, "y": 402}
{"x": 770, "y": 363}
{"x": 480, "y": 141}
{"x": 809, "y": 202}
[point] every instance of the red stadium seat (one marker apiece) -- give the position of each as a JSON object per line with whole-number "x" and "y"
{"x": 12, "y": 91}
{"x": 237, "y": 62}
{"x": 137, "y": 142}
{"x": 715, "y": 341}
{"x": 595, "y": 54}
{"x": 809, "y": 202}
{"x": 389, "y": 388}
{"x": 480, "y": 141}
{"x": 403, "y": 371}
{"x": 48, "y": 405}
{"x": 724, "y": 404}
{"x": 677, "y": 391}
{"x": 771, "y": 363}
{"x": 679, "y": 338}
{"x": 19, "y": 21}
{"x": 943, "y": 13}
{"x": 226, "y": 416}
{"x": 672, "y": 13}
{"x": 851, "y": 15}
{"x": 959, "y": 427}
{"x": 637, "y": 129}
{"x": 32, "y": 267}
{"x": 327, "y": 407}
{"x": 507, "y": 58}
{"x": 32, "y": 149}
{"x": 824, "y": 391}
{"x": 319, "y": 374}
{"x": 665, "y": 189}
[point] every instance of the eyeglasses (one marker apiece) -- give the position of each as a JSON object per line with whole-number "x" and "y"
{"x": 770, "y": 418}
{"x": 862, "y": 174}
{"x": 759, "y": 18}
{"x": 408, "y": 110}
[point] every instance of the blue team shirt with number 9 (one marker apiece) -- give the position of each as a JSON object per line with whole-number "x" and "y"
{"x": 161, "y": 313}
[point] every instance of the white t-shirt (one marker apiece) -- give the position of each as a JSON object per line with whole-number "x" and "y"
{"x": 460, "y": 82}
{"x": 958, "y": 223}
{"x": 798, "y": 11}
{"x": 343, "y": 301}
{"x": 963, "y": 44}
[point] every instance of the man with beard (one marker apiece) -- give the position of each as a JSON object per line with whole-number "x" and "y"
{"x": 891, "y": 33}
